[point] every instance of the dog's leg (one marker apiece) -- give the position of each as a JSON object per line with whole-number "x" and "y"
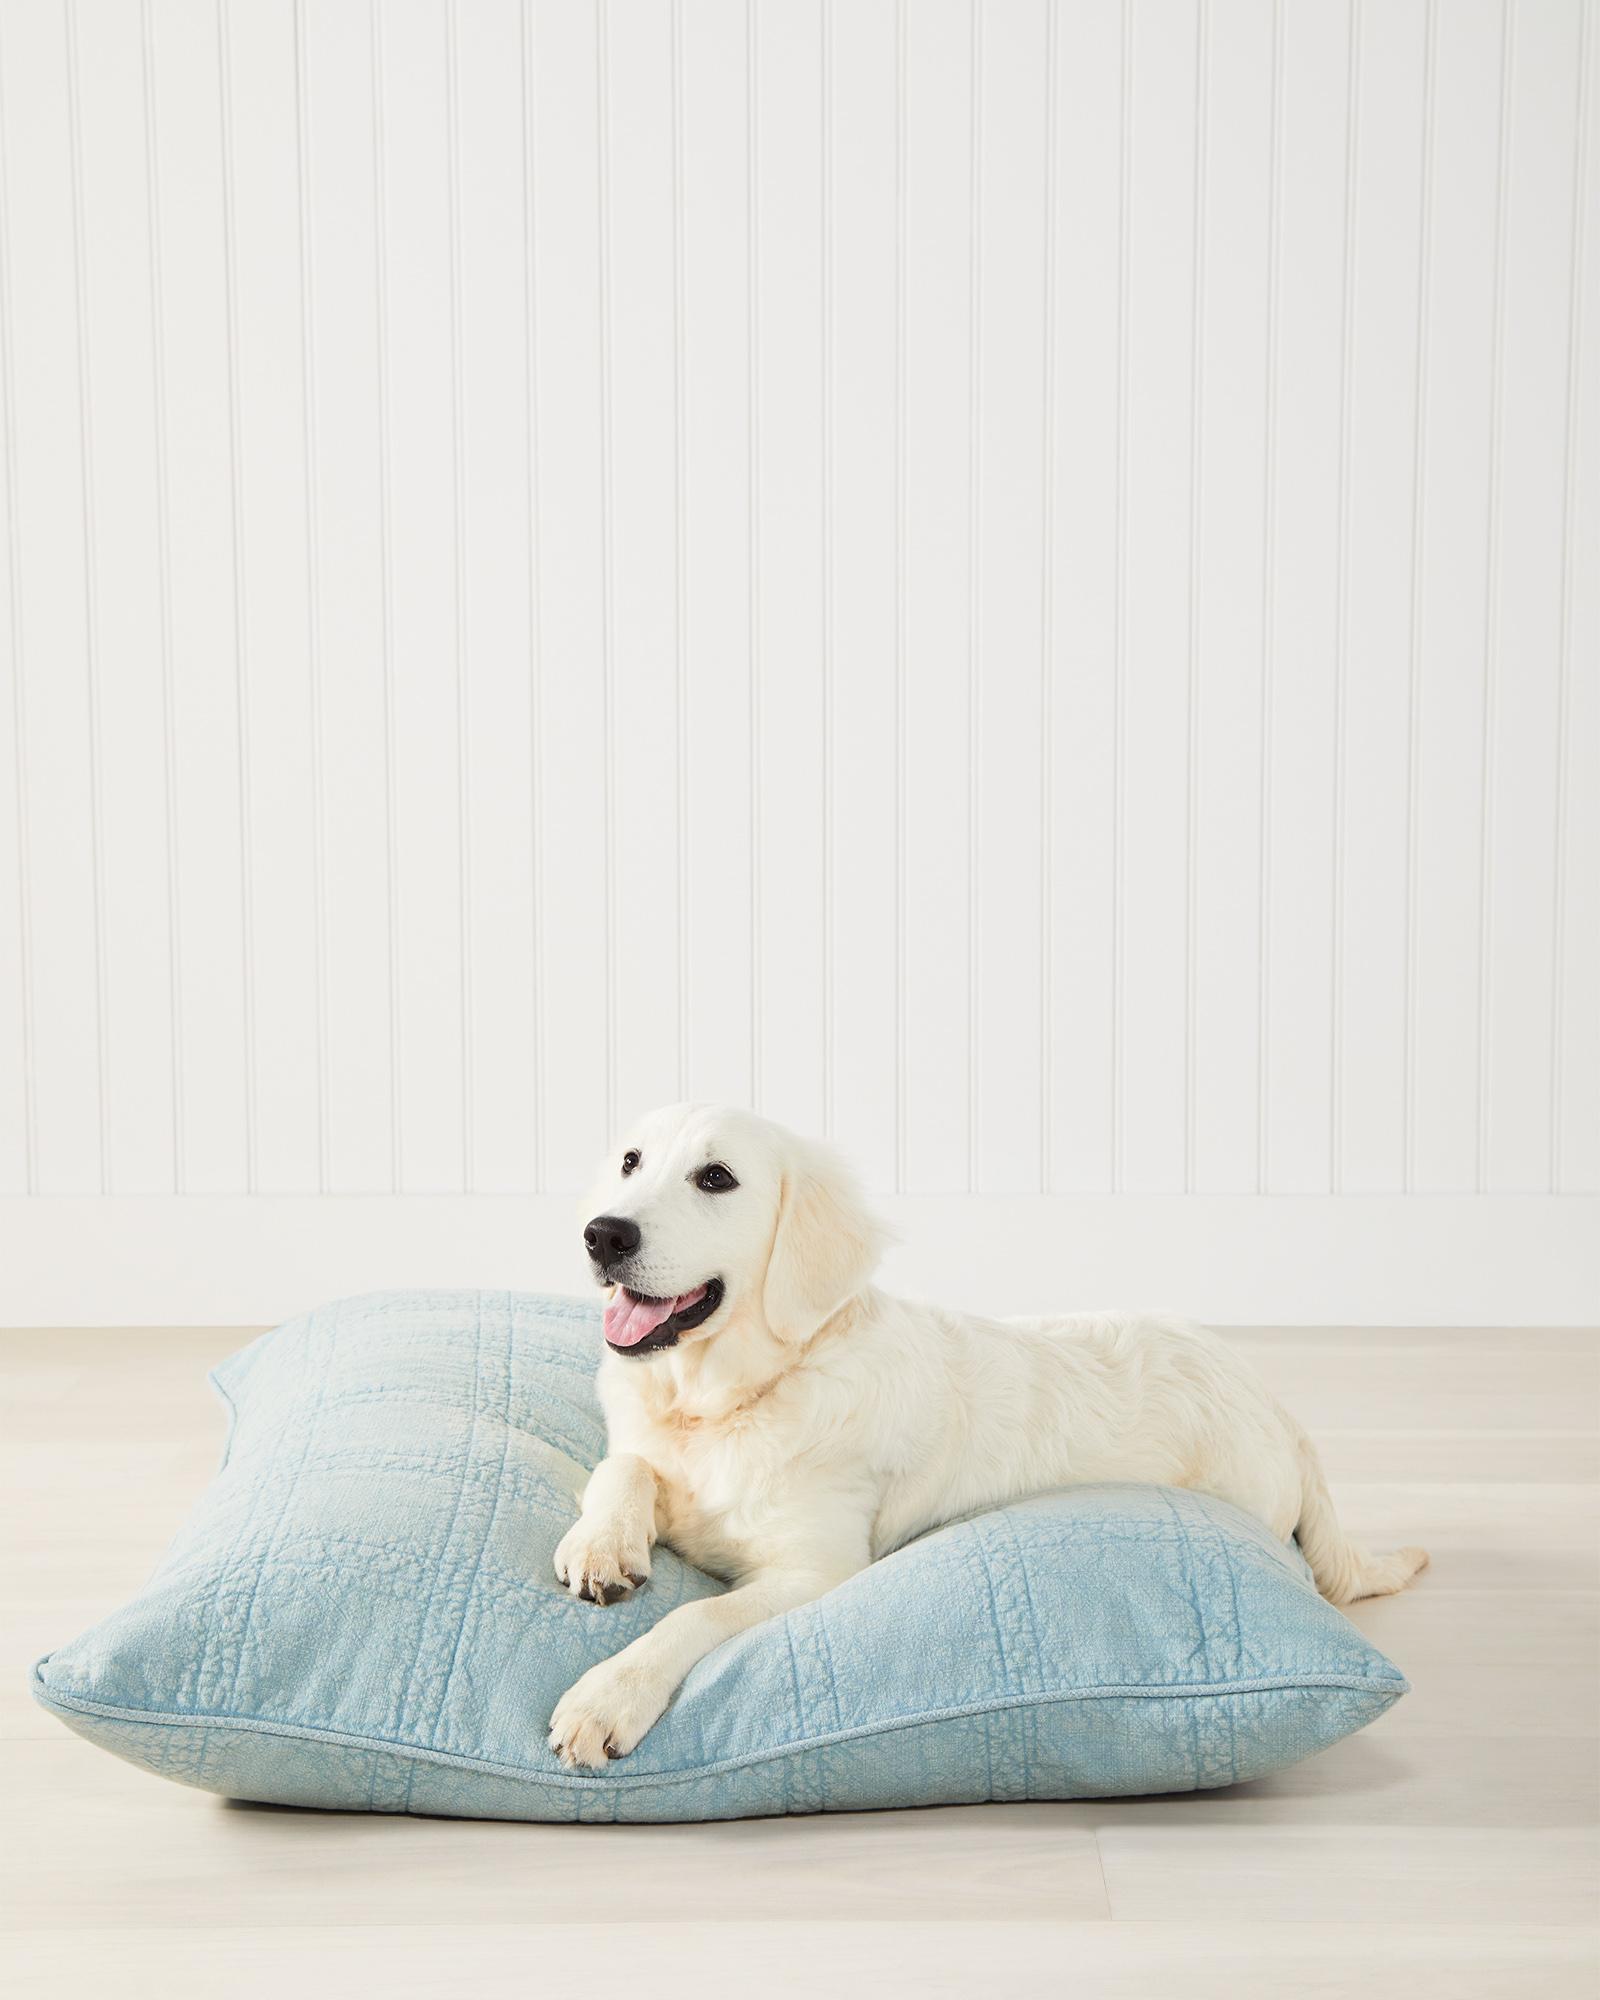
{"x": 604, "y": 1714}
{"x": 606, "y": 1552}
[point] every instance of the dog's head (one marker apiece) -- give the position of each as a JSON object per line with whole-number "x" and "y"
{"x": 704, "y": 1217}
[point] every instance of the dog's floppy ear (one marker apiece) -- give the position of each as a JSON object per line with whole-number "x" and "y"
{"x": 825, "y": 1247}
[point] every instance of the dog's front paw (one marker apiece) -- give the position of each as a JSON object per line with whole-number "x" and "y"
{"x": 604, "y": 1714}
{"x": 602, "y": 1563}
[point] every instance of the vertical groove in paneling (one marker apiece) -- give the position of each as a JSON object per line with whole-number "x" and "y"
{"x": 308, "y": 413}
{"x": 91, "y": 593}
{"x": 828, "y": 592}
{"x": 396, "y": 1024}
{"x": 461, "y": 633}
{"x": 680, "y": 546}
{"x": 1192, "y": 691}
{"x": 753, "y": 506}
{"x": 241, "y": 665}
{"x": 1269, "y": 584}
{"x": 901, "y": 859}
{"x": 1419, "y": 502}
{"x": 608, "y": 669}
{"x": 1352, "y": 131}
{"x": 1047, "y": 651}
{"x": 18, "y": 692}
{"x": 1491, "y": 584}
{"x": 536, "y": 849}
{"x": 974, "y": 597}
{"x": 174, "y": 824}
{"x": 1120, "y": 636}
{"x": 1569, "y": 568}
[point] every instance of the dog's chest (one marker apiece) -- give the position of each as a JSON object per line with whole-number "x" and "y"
{"x": 717, "y": 1493}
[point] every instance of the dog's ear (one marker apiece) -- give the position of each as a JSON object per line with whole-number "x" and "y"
{"x": 825, "y": 1247}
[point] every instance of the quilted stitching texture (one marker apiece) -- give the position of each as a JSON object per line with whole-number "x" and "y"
{"x": 361, "y": 1613}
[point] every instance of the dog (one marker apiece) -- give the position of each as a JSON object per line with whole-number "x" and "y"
{"x": 782, "y": 1423}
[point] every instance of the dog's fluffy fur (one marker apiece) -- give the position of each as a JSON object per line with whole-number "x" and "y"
{"x": 811, "y": 1423}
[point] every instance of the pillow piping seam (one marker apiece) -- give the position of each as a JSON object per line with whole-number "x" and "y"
{"x": 1389, "y": 1691}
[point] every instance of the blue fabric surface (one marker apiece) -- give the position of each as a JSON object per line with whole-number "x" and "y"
{"x": 361, "y": 1613}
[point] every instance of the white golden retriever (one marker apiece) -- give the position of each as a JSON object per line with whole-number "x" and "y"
{"x": 782, "y": 1423}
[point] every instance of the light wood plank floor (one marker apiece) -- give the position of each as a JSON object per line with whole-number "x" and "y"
{"x": 1451, "y": 1849}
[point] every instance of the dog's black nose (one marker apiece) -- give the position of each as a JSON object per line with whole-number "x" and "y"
{"x": 609, "y": 1237}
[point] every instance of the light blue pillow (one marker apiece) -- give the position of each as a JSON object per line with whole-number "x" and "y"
{"x": 361, "y": 1613}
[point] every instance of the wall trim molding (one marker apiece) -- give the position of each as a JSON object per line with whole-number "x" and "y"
{"x": 1360, "y": 1260}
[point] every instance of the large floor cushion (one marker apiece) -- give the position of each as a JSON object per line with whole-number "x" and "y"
{"x": 361, "y": 1613}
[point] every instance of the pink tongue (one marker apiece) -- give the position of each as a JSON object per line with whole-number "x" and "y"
{"x": 629, "y": 1320}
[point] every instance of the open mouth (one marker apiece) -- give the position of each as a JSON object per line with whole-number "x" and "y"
{"x": 638, "y": 1324}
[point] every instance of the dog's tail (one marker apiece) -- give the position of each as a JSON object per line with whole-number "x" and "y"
{"x": 1344, "y": 1569}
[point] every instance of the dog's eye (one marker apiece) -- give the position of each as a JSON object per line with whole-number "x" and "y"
{"x": 630, "y": 1160}
{"x": 715, "y": 1179}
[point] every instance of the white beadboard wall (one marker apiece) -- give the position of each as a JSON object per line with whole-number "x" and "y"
{"x": 1014, "y": 582}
